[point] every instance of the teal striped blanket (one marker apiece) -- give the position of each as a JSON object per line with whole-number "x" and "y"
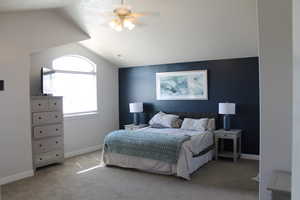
{"x": 157, "y": 146}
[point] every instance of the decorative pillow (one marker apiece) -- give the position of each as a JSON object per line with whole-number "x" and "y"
{"x": 177, "y": 123}
{"x": 211, "y": 125}
{"x": 195, "y": 124}
{"x": 163, "y": 119}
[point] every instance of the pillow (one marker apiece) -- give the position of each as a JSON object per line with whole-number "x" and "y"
{"x": 211, "y": 125}
{"x": 163, "y": 119}
{"x": 195, "y": 124}
{"x": 177, "y": 123}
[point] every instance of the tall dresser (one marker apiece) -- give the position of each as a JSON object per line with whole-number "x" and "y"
{"x": 47, "y": 130}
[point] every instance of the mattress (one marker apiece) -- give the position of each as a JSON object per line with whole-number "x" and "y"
{"x": 186, "y": 164}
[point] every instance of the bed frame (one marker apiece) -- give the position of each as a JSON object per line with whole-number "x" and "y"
{"x": 183, "y": 115}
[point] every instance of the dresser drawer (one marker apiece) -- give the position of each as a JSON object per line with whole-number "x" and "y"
{"x": 47, "y": 118}
{"x": 46, "y": 145}
{"x": 225, "y": 135}
{"x": 39, "y": 105}
{"x": 48, "y": 131}
{"x": 55, "y": 117}
{"x": 39, "y": 118}
{"x": 49, "y": 158}
{"x": 55, "y": 104}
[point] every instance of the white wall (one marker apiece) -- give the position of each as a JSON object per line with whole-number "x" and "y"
{"x": 296, "y": 103}
{"x": 276, "y": 74}
{"x": 84, "y": 132}
{"x": 21, "y": 33}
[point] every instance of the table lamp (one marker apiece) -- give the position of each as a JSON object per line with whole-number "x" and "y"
{"x": 136, "y": 108}
{"x": 226, "y": 109}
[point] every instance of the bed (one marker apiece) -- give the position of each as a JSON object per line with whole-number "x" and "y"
{"x": 194, "y": 151}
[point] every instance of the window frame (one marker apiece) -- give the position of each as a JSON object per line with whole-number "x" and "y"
{"x": 94, "y": 72}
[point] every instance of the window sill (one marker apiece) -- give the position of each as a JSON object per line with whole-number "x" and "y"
{"x": 80, "y": 115}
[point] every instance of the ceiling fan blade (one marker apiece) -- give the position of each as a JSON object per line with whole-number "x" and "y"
{"x": 97, "y": 10}
{"x": 139, "y": 24}
{"x": 142, "y": 14}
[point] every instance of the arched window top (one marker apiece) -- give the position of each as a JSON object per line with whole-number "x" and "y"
{"x": 74, "y": 63}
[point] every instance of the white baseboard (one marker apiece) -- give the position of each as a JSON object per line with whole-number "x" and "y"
{"x": 83, "y": 151}
{"x": 250, "y": 156}
{"x": 30, "y": 173}
{"x": 16, "y": 177}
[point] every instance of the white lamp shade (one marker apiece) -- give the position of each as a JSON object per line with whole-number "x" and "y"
{"x": 136, "y": 107}
{"x": 227, "y": 108}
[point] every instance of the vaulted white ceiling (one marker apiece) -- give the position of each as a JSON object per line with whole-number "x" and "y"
{"x": 14, "y": 5}
{"x": 190, "y": 30}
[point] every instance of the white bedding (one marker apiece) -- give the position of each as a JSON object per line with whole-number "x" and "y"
{"x": 186, "y": 164}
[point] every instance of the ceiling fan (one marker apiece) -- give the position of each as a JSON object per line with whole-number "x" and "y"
{"x": 124, "y": 17}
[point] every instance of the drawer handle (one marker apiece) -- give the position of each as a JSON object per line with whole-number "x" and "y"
{"x": 39, "y": 104}
{"x": 57, "y": 155}
{"x": 40, "y": 117}
{"x": 41, "y": 145}
{"x": 56, "y": 142}
{"x": 57, "y": 129}
{"x": 56, "y": 116}
{"x": 41, "y": 158}
{"x": 41, "y": 131}
{"x": 55, "y": 104}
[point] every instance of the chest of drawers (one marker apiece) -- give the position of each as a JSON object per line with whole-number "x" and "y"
{"x": 47, "y": 130}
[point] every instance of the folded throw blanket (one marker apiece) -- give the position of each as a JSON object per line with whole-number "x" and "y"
{"x": 162, "y": 147}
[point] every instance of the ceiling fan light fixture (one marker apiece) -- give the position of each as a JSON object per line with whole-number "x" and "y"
{"x": 131, "y": 27}
{"x": 119, "y": 28}
{"x": 128, "y": 24}
{"x": 113, "y": 24}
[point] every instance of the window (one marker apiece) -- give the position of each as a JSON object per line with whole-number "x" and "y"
{"x": 75, "y": 79}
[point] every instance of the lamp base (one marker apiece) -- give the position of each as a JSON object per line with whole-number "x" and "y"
{"x": 226, "y": 123}
{"x": 136, "y": 119}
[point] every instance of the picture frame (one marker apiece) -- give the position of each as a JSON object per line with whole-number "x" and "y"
{"x": 182, "y": 85}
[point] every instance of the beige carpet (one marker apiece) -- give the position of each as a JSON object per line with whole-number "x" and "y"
{"x": 81, "y": 178}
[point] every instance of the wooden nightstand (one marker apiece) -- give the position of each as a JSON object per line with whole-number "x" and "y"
{"x": 132, "y": 127}
{"x": 236, "y": 136}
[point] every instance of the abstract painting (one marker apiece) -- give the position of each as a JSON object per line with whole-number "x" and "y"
{"x": 183, "y": 85}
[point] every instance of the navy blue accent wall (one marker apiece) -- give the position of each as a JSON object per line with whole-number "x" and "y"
{"x": 230, "y": 80}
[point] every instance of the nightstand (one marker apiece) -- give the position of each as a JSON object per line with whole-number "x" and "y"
{"x": 236, "y": 136}
{"x": 132, "y": 127}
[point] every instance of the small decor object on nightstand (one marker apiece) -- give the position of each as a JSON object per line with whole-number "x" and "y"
{"x": 136, "y": 108}
{"x": 236, "y": 136}
{"x": 132, "y": 127}
{"x": 226, "y": 109}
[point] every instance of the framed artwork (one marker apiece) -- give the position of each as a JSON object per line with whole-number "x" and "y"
{"x": 182, "y": 85}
